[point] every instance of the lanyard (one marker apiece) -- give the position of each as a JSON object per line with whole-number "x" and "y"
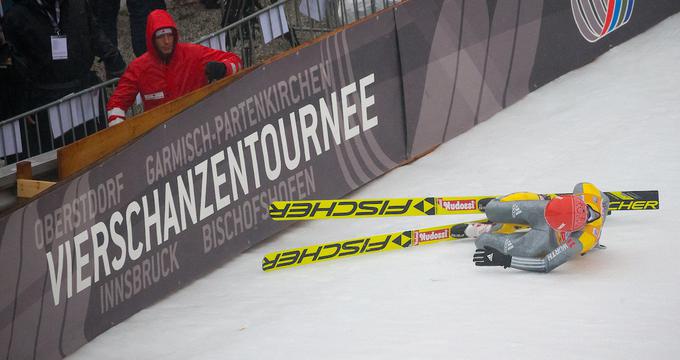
{"x": 53, "y": 19}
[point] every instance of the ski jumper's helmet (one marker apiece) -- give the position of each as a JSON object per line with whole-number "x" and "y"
{"x": 566, "y": 213}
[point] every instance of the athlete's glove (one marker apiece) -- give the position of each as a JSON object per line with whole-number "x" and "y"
{"x": 491, "y": 257}
{"x": 215, "y": 70}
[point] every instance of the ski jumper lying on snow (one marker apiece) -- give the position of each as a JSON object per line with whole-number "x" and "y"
{"x": 558, "y": 229}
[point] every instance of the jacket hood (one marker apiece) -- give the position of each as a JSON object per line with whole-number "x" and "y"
{"x": 158, "y": 19}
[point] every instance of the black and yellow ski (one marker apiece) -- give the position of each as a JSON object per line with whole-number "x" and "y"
{"x": 363, "y": 245}
{"x": 363, "y": 208}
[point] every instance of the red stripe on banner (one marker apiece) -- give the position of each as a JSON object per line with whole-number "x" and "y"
{"x": 610, "y": 15}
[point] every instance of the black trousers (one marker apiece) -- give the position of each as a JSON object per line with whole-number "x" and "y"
{"x": 139, "y": 10}
{"x": 106, "y": 12}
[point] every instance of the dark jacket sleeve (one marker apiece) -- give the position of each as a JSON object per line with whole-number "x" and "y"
{"x": 102, "y": 46}
{"x": 12, "y": 30}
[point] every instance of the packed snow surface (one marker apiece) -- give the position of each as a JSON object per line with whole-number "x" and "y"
{"x": 614, "y": 122}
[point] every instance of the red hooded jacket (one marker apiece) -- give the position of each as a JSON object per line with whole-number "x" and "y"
{"x": 159, "y": 82}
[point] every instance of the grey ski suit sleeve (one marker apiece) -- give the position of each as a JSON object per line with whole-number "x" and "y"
{"x": 536, "y": 250}
{"x": 554, "y": 258}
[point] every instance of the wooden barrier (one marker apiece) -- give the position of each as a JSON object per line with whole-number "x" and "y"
{"x": 84, "y": 152}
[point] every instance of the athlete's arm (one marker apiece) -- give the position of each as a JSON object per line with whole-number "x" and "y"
{"x": 555, "y": 258}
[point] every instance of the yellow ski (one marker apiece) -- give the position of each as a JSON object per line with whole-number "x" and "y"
{"x": 363, "y": 208}
{"x": 363, "y": 245}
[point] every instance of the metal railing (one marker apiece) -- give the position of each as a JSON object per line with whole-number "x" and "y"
{"x": 77, "y": 115}
{"x": 55, "y": 124}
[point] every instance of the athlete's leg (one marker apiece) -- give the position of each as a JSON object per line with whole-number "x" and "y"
{"x": 525, "y": 212}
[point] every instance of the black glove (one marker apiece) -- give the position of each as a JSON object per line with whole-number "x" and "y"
{"x": 115, "y": 66}
{"x": 482, "y": 203}
{"x": 491, "y": 257}
{"x": 215, "y": 70}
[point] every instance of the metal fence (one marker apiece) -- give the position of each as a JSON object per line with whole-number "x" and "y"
{"x": 258, "y": 33}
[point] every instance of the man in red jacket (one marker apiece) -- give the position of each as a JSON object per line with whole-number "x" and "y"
{"x": 168, "y": 69}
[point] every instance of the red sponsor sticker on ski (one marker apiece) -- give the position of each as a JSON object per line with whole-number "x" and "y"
{"x": 433, "y": 235}
{"x": 455, "y": 205}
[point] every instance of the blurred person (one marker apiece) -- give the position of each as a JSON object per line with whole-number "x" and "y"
{"x": 11, "y": 91}
{"x": 54, "y": 46}
{"x": 139, "y": 11}
{"x": 106, "y": 12}
{"x": 4, "y": 6}
{"x": 211, "y": 4}
{"x": 234, "y": 11}
{"x": 168, "y": 70}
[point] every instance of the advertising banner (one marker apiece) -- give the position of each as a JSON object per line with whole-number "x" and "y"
{"x": 463, "y": 60}
{"x": 576, "y": 32}
{"x": 194, "y": 192}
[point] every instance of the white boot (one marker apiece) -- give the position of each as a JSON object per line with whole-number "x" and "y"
{"x": 474, "y": 230}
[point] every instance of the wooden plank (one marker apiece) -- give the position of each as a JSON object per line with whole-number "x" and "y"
{"x": 29, "y": 188}
{"x": 86, "y": 151}
{"x": 24, "y": 170}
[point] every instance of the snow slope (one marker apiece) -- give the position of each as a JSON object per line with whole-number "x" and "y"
{"x": 614, "y": 122}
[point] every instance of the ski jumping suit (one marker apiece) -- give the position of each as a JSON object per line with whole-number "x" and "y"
{"x": 541, "y": 248}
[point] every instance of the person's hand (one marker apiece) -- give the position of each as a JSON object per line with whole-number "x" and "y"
{"x": 215, "y": 70}
{"x": 116, "y": 121}
{"x": 114, "y": 74}
{"x": 115, "y": 116}
{"x": 115, "y": 67}
{"x": 491, "y": 257}
{"x": 5, "y": 53}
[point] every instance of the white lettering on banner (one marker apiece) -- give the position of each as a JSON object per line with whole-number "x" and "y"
{"x": 367, "y": 101}
{"x": 348, "y": 110}
{"x": 74, "y": 214}
{"x": 138, "y": 277}
{"x": 103, "y": 249}
{"x": 247, "y": 215}
{"x": 272, "y": 100}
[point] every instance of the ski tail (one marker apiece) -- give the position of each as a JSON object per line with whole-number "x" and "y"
{"x": 427, "y": 206}
{"x": 364, "y": 245}
{"x": 633, "y": 200}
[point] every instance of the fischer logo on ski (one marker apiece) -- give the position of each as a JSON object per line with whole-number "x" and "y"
{"x": 324, "y": 252}
{"x": 338, "y": 208}
{"x": 633, "y": 205}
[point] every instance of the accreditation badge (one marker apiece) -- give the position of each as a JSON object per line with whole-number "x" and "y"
{"x": 59, "y": 47}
